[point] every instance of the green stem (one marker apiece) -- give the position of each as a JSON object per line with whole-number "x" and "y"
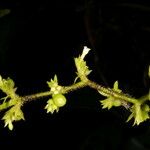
{"x": 65, "y": 89}
{"x": 31, "y": 97}
{"x": 144, "y": 98}
{"x": 79, "y": 85}
{"x": 111, "y": 92}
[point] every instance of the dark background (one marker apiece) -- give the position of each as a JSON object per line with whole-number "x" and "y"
{"x": 40, "y": 39}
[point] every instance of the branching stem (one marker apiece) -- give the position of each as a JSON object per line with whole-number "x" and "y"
{"x": 114, "y": 97}
{"x": 81, "y": 84}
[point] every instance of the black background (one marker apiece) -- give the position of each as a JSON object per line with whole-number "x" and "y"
{"x": 40, "y": 39}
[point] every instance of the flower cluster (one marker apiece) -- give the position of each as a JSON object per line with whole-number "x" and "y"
{"x": 111, "y": 101}
{"x": 57, "y": 101}
{"x": 139, "y": 113}
{"x": 114, "y": 96}
{"x": 53, "y": 85}
{"x": 82, "y": 68}
{"x": 7, "y": 86}
{"x": 13, "y": 114}
{"x": 11, "y": 100}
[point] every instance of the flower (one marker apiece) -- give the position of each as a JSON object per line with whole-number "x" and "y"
{"x": 57, "y": 101}
{"x": 51, "y": 106}
{"x": 9, "y": 123}
{"x": 139, "y": 113}
{"x": 111, "y": 101}
{"x": 53, "y": 85}
{"x": 85, "y": 52}
{"x": 82, "y": 68}
{"x": 13, "y": 114}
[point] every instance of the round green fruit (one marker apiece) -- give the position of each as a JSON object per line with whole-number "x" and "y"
{"x": 59, "y": 100}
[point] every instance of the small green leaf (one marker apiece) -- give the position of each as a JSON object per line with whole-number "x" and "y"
{"x": 103, "y": 93}
{"x": 7, "y": 104}
{"x": 116, "y": 87}
{"x": 55, "y": 79}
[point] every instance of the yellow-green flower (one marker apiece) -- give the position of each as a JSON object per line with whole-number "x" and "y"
{"x": 110, "y": 101}
{"x": 82, "y": 68}
{"x": 53, "y": 85}
{"x": 139, "y": 113}
{"x": 13, "y": 114}
{"x": 51, "y": 106}
{"x": 57, "y": 101}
